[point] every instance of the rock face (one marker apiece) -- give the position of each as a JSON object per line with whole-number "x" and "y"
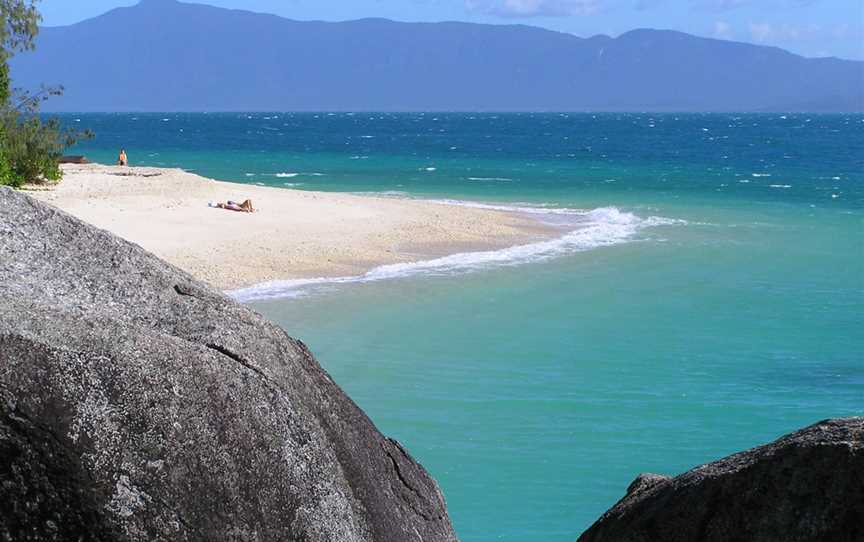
{"x": 139, "y": 404}
{"x": 807, "y": 486}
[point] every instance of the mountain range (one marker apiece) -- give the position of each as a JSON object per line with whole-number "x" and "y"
{"x": 164, "y": 55}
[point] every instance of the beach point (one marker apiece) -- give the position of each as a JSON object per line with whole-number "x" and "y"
{"x": 293, "y": 234}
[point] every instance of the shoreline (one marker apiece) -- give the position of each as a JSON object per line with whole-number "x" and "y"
{"x": 295, "y": 234}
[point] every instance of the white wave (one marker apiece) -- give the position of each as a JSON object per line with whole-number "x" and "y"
{"x": 430, "y": 169}
{"x": 502, "y": 179}
{"x": 761, "y": 174}
{"x": 525, "y": 208}
{"x": 385, "y": 193}
{"x": 291, "y": 175}
{"x": 594, "y": 228}
{"x": 781, "y": 186}
{"x": 249, "y": 174}
{"x": 291, "y": 185}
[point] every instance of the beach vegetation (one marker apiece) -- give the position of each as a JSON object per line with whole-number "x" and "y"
{"x": 30, "y": 149}
{"x": 30, "y": 146}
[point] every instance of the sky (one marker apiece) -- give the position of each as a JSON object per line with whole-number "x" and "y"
{"x": 811, "y": 28}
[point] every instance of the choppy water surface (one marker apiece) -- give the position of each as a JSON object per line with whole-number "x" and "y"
{"x": 705, "y": 295}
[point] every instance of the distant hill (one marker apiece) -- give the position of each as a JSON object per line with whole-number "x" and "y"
{"x": 163, "y": 55}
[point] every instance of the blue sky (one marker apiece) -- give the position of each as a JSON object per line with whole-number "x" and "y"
{"x": 807, "y": 27}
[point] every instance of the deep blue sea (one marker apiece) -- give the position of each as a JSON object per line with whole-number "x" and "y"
{"x": 707, "y": 297}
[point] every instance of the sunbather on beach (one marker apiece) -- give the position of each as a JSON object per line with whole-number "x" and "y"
{"x": 245, "y": 207}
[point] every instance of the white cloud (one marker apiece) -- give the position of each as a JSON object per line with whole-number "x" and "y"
{"x": 762, "y": 32}
{"x": 534, "y": 8}
{"x": 772, "y": 33}
{"x": 841, "y": 31}
{"x": 725, "y": 5}
{"x": 723, "y": 30}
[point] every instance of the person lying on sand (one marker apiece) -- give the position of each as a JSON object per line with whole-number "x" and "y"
{"x": 245, "y": 207}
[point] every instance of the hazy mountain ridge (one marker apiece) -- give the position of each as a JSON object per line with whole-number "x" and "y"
{"x": 162, "y": 55}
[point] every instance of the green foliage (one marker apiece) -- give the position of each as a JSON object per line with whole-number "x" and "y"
{"x": 7, "y": 176}
{"x": 5, "y": 86}
{"x": 20, "y": 24}
{"x": 30, "y": 147}
{"x": 30, "y": 150}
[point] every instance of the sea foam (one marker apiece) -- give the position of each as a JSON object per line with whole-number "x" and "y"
{"x": 588, "y": 229}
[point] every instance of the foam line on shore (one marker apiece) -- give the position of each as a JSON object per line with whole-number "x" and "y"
{"x": 587, "y": 230}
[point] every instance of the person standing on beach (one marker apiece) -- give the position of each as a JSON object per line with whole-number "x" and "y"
{"x": 123, "y": 160}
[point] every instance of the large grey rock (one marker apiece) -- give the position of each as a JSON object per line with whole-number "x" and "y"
{"x": 807, "y": 486}
{"x": 139, "y": 404}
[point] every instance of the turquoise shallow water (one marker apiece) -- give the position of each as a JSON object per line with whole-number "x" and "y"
{"x": 535, "y": 393}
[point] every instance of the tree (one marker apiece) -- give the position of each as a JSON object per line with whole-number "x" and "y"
{"x": 20, "y": 24}
{"x": 30, "y": 147}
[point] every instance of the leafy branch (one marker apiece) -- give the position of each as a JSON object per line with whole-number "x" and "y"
{"x": 30, "y": 147}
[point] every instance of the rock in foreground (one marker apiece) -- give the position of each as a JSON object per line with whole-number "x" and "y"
{"x": 807, "y": 486}
{"x": 139, "y": 404}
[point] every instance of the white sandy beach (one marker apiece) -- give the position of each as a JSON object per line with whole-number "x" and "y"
{"x": 294, "y": 234}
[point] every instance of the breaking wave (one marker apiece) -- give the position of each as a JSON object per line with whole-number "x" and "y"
{"x": 587, "y": 230}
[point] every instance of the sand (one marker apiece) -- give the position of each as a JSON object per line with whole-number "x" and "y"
{"x": 294, "y": 233}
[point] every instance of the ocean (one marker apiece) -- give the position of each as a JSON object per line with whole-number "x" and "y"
{"x": 705, "y": 296}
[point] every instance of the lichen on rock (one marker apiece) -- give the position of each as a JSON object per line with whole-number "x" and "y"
{"x": 139, "y": 404}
